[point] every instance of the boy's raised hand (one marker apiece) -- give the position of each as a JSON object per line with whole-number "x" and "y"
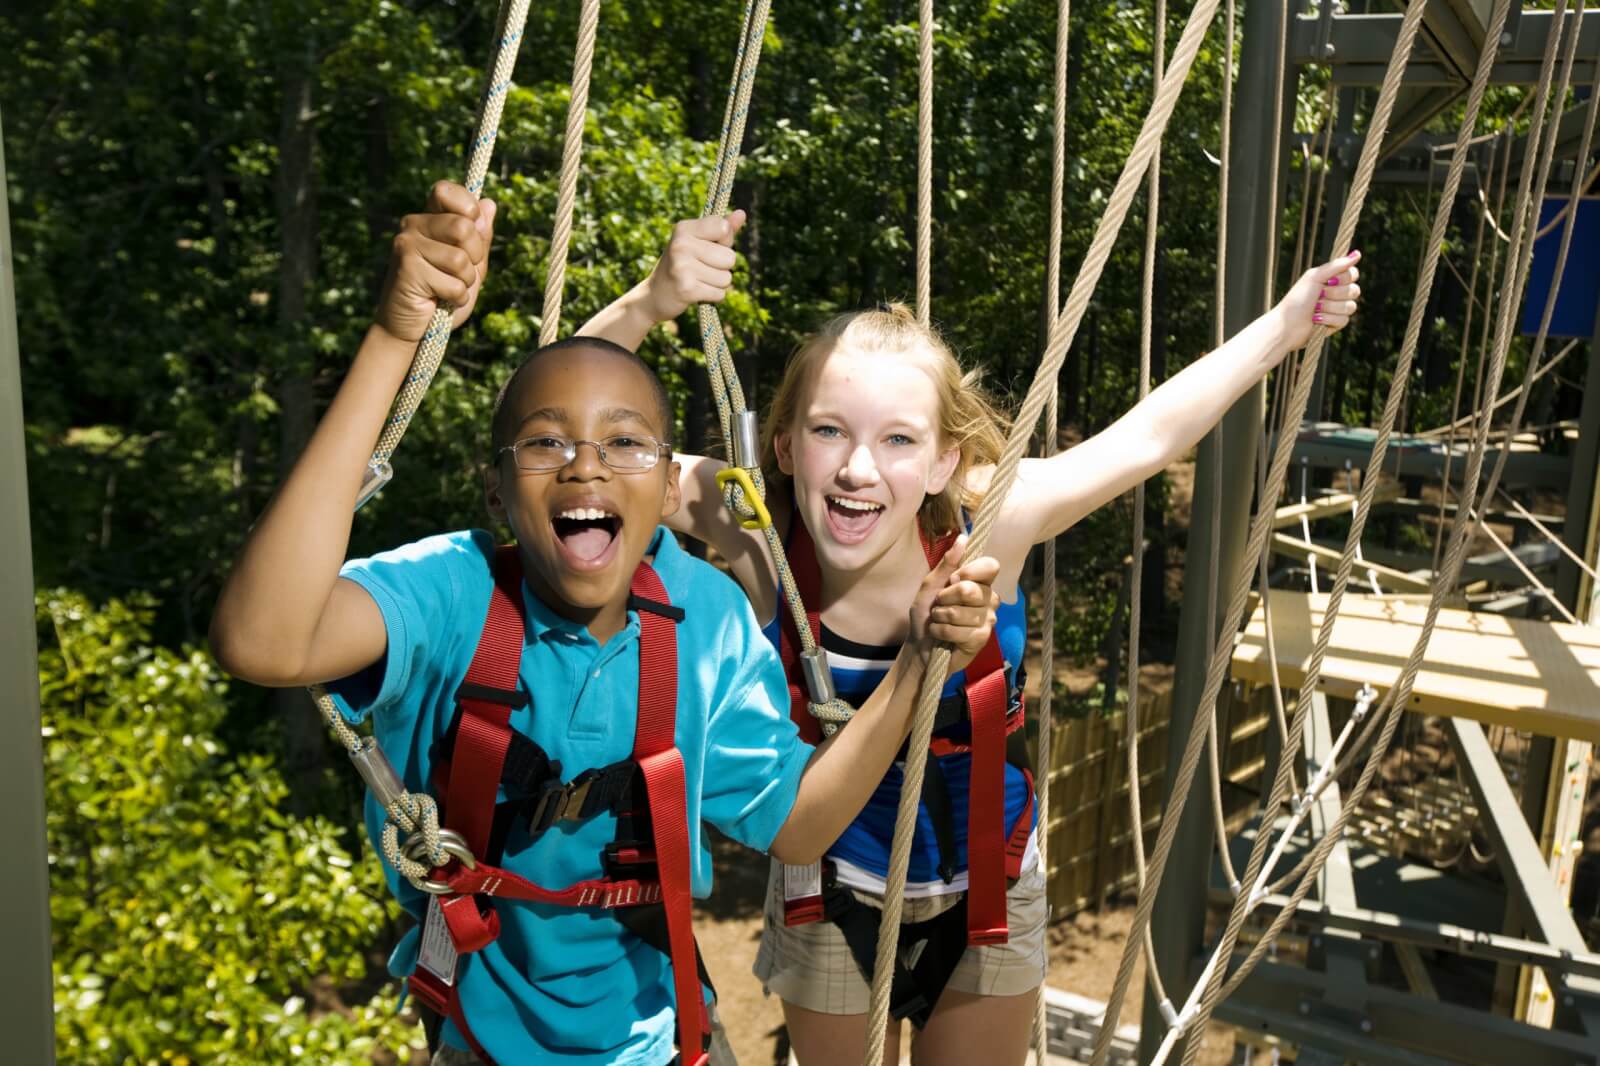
{"x": 696, "y": 267}
{"x": 956, "y": 604}
{"x": 438, "y": 257}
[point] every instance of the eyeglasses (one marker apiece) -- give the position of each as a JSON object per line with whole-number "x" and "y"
{"x": 625, "y": 453}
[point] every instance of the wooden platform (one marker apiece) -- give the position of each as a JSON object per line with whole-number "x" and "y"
{"x": 1543, "y": 677}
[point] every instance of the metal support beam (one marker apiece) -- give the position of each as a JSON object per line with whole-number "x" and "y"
{"x": 1439, "y": 936}
{"x": 1579, "y": 532}
{"x": 1526, "y": 873}
{"x": 1397, "y": 1028}
{"x": 1339, "y": 953}
{"x": 25, "y": 1004}
{"x": 1361, "y": 45}
{"x": 1222, "y": 480}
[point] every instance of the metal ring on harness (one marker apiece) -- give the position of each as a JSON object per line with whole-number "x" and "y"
{"x": 452, "y": 844}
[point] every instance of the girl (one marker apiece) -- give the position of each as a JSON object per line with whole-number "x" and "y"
{"x": 876, "y": 446}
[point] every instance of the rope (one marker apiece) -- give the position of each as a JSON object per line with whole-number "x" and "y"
{"x": 1136, "y": 572}
{"x": 1399, "y": 696}
{"x": 1005, "y": 473}
{"x": 1550, "y": 536}
{"x": 724, "y": 376}
{"x": 571, "y": 153}
{"x": 417, "y": 812}
{"x": 1046, "y": 711}
{"x": 1549, "y": 147}
{"x": 1466, "y": 329}
{"x": 1465, "y": 420}
{"x": 1260, "y": 528}
{"x": 430, "y": 351}
{"x": 1580, "y": 189}
{"x": 924, "y": 160}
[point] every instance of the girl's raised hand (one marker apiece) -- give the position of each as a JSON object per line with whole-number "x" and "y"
{"x": 956, "y": 605}
{"x": 1325, "y": 296}
{"x": 696, "y": 267}
{"x": 439, "y": 257}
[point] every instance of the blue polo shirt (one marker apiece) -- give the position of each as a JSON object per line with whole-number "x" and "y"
{"x": 563, "y": 982}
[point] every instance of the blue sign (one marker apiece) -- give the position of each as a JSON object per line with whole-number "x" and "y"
{"x": 1580, "y": 281}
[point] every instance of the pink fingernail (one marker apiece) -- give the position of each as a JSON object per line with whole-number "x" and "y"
{"x": 1316, "y": 318}
{"x": 1318, "y": 307}
{"x": 1331, "y": 282}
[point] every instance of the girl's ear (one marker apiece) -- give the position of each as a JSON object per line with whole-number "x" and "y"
{"x": 783, "y": 445}
{"x": 944, "y": 467}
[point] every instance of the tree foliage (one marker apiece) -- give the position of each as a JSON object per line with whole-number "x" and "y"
{"x": 193, "y": 920}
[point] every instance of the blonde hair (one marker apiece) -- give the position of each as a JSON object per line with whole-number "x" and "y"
{"x": 967, "y": 418}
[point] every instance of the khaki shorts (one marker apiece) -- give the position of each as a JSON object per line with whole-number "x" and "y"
{"x": 811, "y": 966}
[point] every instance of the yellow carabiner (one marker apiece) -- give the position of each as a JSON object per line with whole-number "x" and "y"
{"x": 738, "y": 473}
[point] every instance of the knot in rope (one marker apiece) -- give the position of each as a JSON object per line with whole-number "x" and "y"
{"x": 413, "y": 813}
{"x": 832, "y": 714}
{"x": 733, "y": 496}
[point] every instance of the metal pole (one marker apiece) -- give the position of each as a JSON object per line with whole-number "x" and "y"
{"x": 1578, "y": 531}
{"x": 1224, "y": 480}
{"x": 26, "y": 1016}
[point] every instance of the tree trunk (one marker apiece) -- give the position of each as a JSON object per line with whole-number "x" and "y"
{"x": 305, "y": 749}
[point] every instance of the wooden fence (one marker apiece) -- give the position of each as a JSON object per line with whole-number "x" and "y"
{"x": 1090, "y": 846}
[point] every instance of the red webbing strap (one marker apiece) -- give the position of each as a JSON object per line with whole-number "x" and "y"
{"x": 655, "y": 750}
{"x": 986, "y": 811}
{"x": 444, "y": 1000}
{"x": 486, "y": 880}
{"x": 808, "y": 583}
{"x": 987, "y": 703}
{"x": 484, "y": 731}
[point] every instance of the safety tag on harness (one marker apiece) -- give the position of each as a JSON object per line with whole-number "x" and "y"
{"x": 802, "y": 894}
{"x": 438, "y": 952}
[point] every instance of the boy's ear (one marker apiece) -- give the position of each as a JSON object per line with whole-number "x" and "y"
{"x": 491, "y": 492}
{"x": 943, "y": 468}
{"x": 672, "y": 498}
{"x": 783, "y": 445}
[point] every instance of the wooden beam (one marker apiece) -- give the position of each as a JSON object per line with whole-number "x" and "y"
{"x": 1543, "y": 677}
{"x": 1295, "y": 548}
{"x": 1329, "y": 505}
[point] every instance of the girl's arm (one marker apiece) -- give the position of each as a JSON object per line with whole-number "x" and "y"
{"x": 284, "y": 617}
{"x": 697, "y": 267}
{"x": 953, "y": 606}
{"x": 1053, "y": 494}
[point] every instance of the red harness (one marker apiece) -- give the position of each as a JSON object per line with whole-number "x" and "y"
{"x": 991, "y": 856}
{"x": 473, "y": 774}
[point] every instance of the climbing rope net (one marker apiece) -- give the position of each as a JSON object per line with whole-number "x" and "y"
{"x": 413, "y": 841}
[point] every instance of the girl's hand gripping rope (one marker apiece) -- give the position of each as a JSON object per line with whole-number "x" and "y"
{"x": 695, "y": 268}
{"x": 1324, "y": 296}
{"x": 438, "y": 257}
{"x": 956, "y": 606}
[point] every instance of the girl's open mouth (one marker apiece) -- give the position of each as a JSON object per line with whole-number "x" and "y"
{"x": 850, "y": 520}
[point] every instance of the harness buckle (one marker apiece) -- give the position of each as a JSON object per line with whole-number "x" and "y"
{"x": 560, "y": 802}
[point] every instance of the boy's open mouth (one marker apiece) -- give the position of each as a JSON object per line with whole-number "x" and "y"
{"x": 850, "y": 520}
{"x": 587, "y": 534}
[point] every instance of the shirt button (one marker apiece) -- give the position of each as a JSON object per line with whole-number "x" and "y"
{"x": 597, "y": 673}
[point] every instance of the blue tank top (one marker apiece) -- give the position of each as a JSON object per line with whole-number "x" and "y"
{"x": 857, "y": 670}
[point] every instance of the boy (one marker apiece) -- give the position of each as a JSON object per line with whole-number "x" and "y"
{"x": 582, "y": 473}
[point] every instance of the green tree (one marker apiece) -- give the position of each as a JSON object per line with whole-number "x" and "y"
{"x": 193, "y": 919}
